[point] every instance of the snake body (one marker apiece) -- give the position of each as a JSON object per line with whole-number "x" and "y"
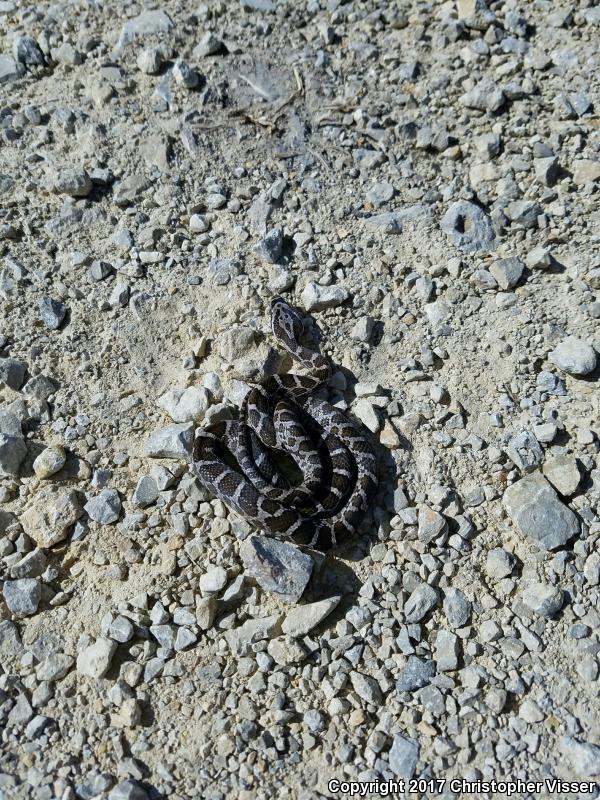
{"x": 239, "y": 460}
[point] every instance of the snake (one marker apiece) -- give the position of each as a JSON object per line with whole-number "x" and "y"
{"x": 289, "y": 462}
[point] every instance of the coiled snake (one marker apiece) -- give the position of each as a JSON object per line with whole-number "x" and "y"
{"x": 242, "y": 461}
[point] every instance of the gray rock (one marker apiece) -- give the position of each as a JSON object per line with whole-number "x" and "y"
{"x": 164, "y": 634}
{"x": 582, "y": 757}
{"x": 54, "y": 667}
{"x": 269, "y": 248}
{"x": 253, "y": 630}
{"x": 431, "y": 525}
{"x": 52, "y": 312}
{"x": 447, "y": 651}
{"x": 209, "y": 45}
{"x": 129, "y": 190}
{"x": 74, "y": 181}
{"x": 185, "y": 638}
{"x": 499, "y": 564}
{"x": 317, "y": 298}
{"x": 96, "y": 659}
{"x": 12, "y": 373}
{"x": 416, "y": 674}
{"x": 543, "y": 599}
{"x": 12, "y": 454}
{"x": 277, "y": 566}
{"x": 485, "y": 96}
{"x": 185, "y": 75}
{"x": 302, "y": 619}
{"x": 26, "y": 51}
{"x": 22, "y": 597}
{"x": 11, "y": 646}
{"x": 10, "y": 70}
{"x": 185, "y": 405}
{"x": 366, "y": 687}
{"x": 507, "y": 272}
{"x": 32, "y": 565}
{"x": 525, "y": 451}
{"x": 574, "y": 356}
{"x": 150, "y": 60}
{"x": 128, "y": 790}
{"x": 547, "y": 382}
{"x": 420, "y": 602}
{"x": 121, "y": 629}
{"x": 563, "y": 473}
{"x": 173, "y": 441}
{"x": 105, "y": 507}
{"x": 523, "y": 212}
{"x": 380, "y": 193}
{"x": 148, "y": 23}
{"x": 539, "y": 515}
{"x": 457, "y": 607}
{"x": 403, "y": 757}
{"x": 469, "y": 226}
{"x": 145, "y": 492}
{"x": 213, "y": 580}
{"x": 394, "y": 222}
{"x": 36, "y": 726}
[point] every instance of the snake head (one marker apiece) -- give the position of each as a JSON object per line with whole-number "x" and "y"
{"x": 286, "y": 323}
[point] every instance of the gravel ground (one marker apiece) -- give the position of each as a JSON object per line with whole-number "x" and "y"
{"x": 421, "y": 178}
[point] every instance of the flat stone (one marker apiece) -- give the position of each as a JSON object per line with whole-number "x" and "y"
{"x": 185, "y": 405}
{"x": 447, "y": 651}
{"x": 302, "y": 619}
{"x": 523, "y": 212}
{"x": 485, "y": 96}
{"x": 172, "y": 441}
{"x": 420, "y": 602}
{"x": 469, "y": 226}
{"x": 585, "y": 170}
{"x": 574, "y": 356}
{"x": 54, "y": 667}
{"x": 380, "y": 193}
{"x": 543, "y": 599}
{"x": 535, "y": 509}
{"x": 416, "y": 674}
{"x": 95, "y": 660}
{"x": 52, "y": 312}
{"x": 129, "y": 189}
{"x": 403, "y": 757}
{"x": 49, "y": 462}
{"x": 22, "y": 597}
{"x": 457, "y": 607}
{"x": 277, "y": 566}
{"x": 582, "y": 757}
{"x": 563, "y": 473}
{"x": 209, "y": 45}
{"x": 12, "y": 373}
{"x": 12, "y": 454}
{"x": 105, "y": 507}
{"x": 128, "y": 790}
{"x": 318, "y": 298}
{"x": 507, "y": 272}
{"x": 431, "y": 525}
{"x": 253, "y": 630}
{"x": 10, "y": 70}
{"x": 145, "y": 492}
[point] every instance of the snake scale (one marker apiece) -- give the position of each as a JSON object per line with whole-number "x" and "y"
{"x": 241, "y": 461}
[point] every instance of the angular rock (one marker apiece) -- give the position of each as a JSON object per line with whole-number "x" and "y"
{"x": 366, "y": 687}
{"x": 105, "y": 507}
{"x": 172, "y": 441}
{"x": 538, "y": 514}
{"x": 145, "y": 492}
{"x": 507, "y": 272}
{"x": 447, "y": 651}
{"x": 253, "y": 630}
{"x": 582, "y": 757}
{"x": 318, "y": 298}
{"x": 525, "y": 451}
{"x": 49, "y": 462}
{"x": 269, "y": 248}
{"x": 416, "y": 674}
{"x": 96, "y": 659}
{"x": 403, "y": 757}
{"x": 148, "y": 23}
{"x": 22, "y": 597}
{"x": 563, "y": 473}
{"x": 420, "y": 602}
{"x": 499, "y": 564}
{"x": 12, "y": 454}
{"x": 185, "y": 405}
{"x": 52, "y": 313}
{"x": 73, "y": 181}
{"x": 12, "y": 373}
{"x": 10, "y": 70}
{"x": 457, "y": 607}
{"x": 277, "y": 566}
{"x": 431, "y": 525}
{"x": 302, "y": 619}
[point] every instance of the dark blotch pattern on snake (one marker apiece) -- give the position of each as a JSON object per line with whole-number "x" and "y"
{"x": 240, "y": 461}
